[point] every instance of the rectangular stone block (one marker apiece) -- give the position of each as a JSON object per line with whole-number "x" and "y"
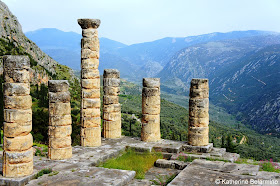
{"x": 91, "y": 83}
{"x": 91, "y": 112}
{"x": 112, "y": 125}
{"x": 16, "y": 62}
{"x": 91, "y": 141}
{"x": 60, "y": 120}
{"x": 18, "y": 157}
{"x": 91, "y": 93}
{"x": 58, "y": 85}
{"x": 59, "y": 142}
{"x": 87, "y": 53}
{"x": 198, "y": 136}
{"x": 90, "y": 122}
{"x": 16, "y": 89}
{"x": 112, "y": 108}
{"x": 91, "y": 43}
{"x": 111, "y": 91}
{"x": 199, "y": 103}
{"x": 199, "y": 93}
{"x": 17, "y": 129}
{"x": 17, "y": 116}
{"x": 63, "y": 97}
{"x": 91, "y": 132}
{"x": 19, "y": 143}
{"x": 152, "y": 119}
{"x": 60, "y": 131}
{"x": 150, "y": 132}
{"x": 110, "y": 100}
{"x": 199, "y": 112}
{"x": 90, "y": 73}
{"x": 60, "y": 153}
{"x": 198, "y": 122}
{"x": 12, "y": 170}
{"x": 147, "y": 92}
{"x": 151, "y": 110}
{"x": 59, "y": 109}
{"x": 112, "y": 116}
{"x": 90, "y": 63}
{"x": 90, "y": 32}
{"x": 111, "y": 82}
{"x": 112, "y": 134}
{"x": 17, "y": 102}
{"x": 150, "y": 101}
{"x": 17, "y": 76}
{"x": 90, "y": 103}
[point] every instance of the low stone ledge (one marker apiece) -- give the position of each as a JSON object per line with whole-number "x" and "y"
{"x": 172, "y": 164}
{"x": 203, "y": 149}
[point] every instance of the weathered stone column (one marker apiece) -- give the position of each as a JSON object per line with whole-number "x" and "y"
{"x": 198, "y": 113}
{"x": 18, "y": 141}
{"x": 90, "y": 104}
{"x": 150, "y": 110}
{"x": 112, "y": 127}
{"x": 60, "y": 122}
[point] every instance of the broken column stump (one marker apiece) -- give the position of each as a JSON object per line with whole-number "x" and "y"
{"x": 111, "y": 107}
{"x": 60, "y": 122}
{"x": 90, "y": 82}
{"x": 18, "y": 141}
{"x": 150, "y": 131}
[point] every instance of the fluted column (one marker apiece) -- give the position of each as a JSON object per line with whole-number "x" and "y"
{"x": 60, "y": 122}
{"x": 90, "y": 82}
{"x": 18, "y": 141}
{"x": 150, "y": 110}
{"x": 112, "y": 127}
{"x": 198, "y": 134}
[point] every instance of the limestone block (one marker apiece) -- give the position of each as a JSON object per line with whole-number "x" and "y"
{"x": 90, "y": 122}
{"x": 91, "y": 132}
{"x": 58, "y": 85}
{"x": 91, "y": 112}
{"x": 60, "y": 142}
{"x": 60, "y": 131}
{"x": 199, "y": 84}
{"x": 63, "y": 97}
{"x": 91, "y": 83}
{"x": 89, "y": 23}
{"x": 151, "y": 110}
{"x": 111, "y": 82}
{"x": 150, "y": 133}
{"x": 112, "y": 125}
{"x": 14, "y": 170}
{"x": 147, "y": 92}
{"x": 16, "y": 62}
{"x": 113, "y": 134}
{"x": 152, "y": 119}
{"x": 90, "y": 32}
{"x": 17, "y": 129}
{"x": 110, "y": 100}
{"x": 18, "y": 157}
{"x": 199, "y": 93}
{"x": 60, "y": 153}
{"x": 57, "y": 120}
{"x": 59, "y": 109}
{"x": 111, "y": 73}
{"x": 91, "y": 141}
{"x": 87, "y": 53}
{"x": 90, "y": 74}
{"x": 198, "y": 122}
{"x": 17, "y": 102}
{"x": 112, "y": 108}
{"x": 17, "y": 116}
{"x": 111, "y": 91}
{"x": 91, "y": 43}
{"x": 199, "y": 112}
{"x": 150, "y": 101}
{"x": 16, "y": 76}
{"x": 90, "y": 103}
{"x": 151, "y": 82}
{"x": 198, "y": 136}
{"x": 16, "y": 89}
{"x": 19, "y": 143}
{"x": 90, "y": 63}
{"x": 91, "y": 93}
{"x": 199, "y": 103}
{"x": 111, "y": 116}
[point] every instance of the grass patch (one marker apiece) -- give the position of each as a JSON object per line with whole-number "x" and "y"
{"x": 269, "y": 166}
{"x": 131, "y": 160}
{"x": 41, "y": 149}
{"x": 42, "y": 172}
{"x": 216, "y": 159}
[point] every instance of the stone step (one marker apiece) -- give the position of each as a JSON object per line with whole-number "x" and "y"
{"x": 172, "y": 164}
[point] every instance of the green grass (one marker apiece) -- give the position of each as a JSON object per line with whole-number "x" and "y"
{"x": 41, "y": 149}
{"x": 42, "y": 172}
{"x": 269, "y": 166}
{"x": 130, "y": 160}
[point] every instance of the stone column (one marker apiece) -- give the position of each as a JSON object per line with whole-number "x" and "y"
{"x": 198, "y": 113}
{"x": 18, "y": 141}
{"x": 112, "y": 127}
{"x": 150, "y": 110}
{"x": 90, "y": 103}
{"x": 60, "y": 122}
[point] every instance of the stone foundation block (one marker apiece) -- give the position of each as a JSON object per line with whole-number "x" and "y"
{"x": 19, "y": 143}
{"x": 17, "y": 116}
{"x": 17, "y": 102}
{"x": 60, "y": 131}
{"x": 17, "y": 170}
{"x": 113, "y": 134}
{"x": 91, "y": 84}
{"x": 60, "y": 120}
{"x": 59, "y": 109}
{"x": 60, "y": 153}
{"x": 16, "y": 89}
{"x": 17, "y": 129}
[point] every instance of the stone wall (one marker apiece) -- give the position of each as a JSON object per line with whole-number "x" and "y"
{"x": 18, "y": 141}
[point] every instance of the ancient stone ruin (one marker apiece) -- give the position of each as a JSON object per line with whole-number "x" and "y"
{"x": 198, "y": 113}
{"x": 18, "y": 141}
{"x": 60, "y": 122}
{"x": 150, "y": 110}
{"x": 90, "y": 82}
{"x": 112, "y": 126}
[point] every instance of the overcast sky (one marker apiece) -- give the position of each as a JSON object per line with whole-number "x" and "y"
{"x": 135, "y": 21}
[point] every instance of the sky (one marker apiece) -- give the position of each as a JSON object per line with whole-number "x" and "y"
{"x": 137, "y": 21}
